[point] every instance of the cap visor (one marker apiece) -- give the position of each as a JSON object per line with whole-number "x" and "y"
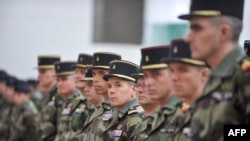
{"x": 185, "y": 17}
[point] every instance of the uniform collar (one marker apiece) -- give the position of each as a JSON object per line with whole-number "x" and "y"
{"x": 226, "y": 66}
{"x": 130, "y": 104}
{"x": 73, "y": 95}
{"x": 172, "y": 102}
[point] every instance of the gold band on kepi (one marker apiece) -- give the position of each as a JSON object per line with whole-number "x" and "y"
{"x": 211, "y": 8}
{"x": 151, "y": 57}
{"x": 47, "y": 61}
{"x": 180, "y": 52}
{"x": 122, "y": 69}
{"x": 65, "y": 68}
{"x": 103, "y": 59}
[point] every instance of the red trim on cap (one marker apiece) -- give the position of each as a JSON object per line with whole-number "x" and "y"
{"x": 156, "y": 47}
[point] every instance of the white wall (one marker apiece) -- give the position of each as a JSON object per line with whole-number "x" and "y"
{"x": 30, "y": 28}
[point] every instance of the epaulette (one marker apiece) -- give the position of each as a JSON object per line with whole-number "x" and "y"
{"x": 135, "y": 109}
{"x": 79, "y": 97}
{"x": 245, "y": 65}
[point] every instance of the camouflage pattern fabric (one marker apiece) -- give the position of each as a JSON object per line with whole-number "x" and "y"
{"x": 225, "y": 100}
{"x": 24, "y": 123}
{"x": 123, "y": 122}
{"x": 73, "y": 116}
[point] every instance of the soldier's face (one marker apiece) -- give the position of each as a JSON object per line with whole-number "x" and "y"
{"x": 157, "y": 83}
{"x": 9, "y": 92}
{"x": 2, "y": 87}
{"x": 80, "y": 75}
{"x": 100, "y": 85}
{"x": 120, "y": 92}
{"x": 66, "y": 85}
{"x": 143, "y": 97}
{"x": 46, "y": 77}
{"x": 203, "y": 37}
{"x": 20, "y": 98}
{"x": 188, "y": 80}
{"x": 91, "y": 96}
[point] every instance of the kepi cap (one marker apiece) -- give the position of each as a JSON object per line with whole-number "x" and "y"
{"x": 151, "y": 57}
{"x": 247, "y": 47}
{"x": 122, "y": 69}
{"x": 211, "y": 8}
{"x": 84, "y": 60}
{"x": 65, "y": 68}
{"x": 47, "y": 61}
{"x": 103, "y": 59}
{"x": 180, "y": 52}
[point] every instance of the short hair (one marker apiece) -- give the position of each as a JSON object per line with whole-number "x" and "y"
{"x": 235, "y": 25}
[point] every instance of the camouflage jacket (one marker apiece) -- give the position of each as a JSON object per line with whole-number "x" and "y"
{"x": 163, "y": 124}
{"x": 97, "y": 123}
{"x": 123, "y": 122}
{"x": 73, "y": 116}
{"x": 225, "y": 99}
{"x": 24, "y": 126}
{"x": 183, "y": 130}
{"x": 5, "y": 123}
{"x": 49, "y": 115}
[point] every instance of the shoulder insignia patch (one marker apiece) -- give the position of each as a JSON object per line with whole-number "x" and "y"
{"x": 135, "y": 109}
{"x": 245, "y": 66}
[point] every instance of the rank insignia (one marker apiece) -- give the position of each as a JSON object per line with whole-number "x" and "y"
{"x": 106, "y": 117}
{"x": 116, "y": 133}
{"x": 66, "y": 111}
{"x": 245, "y": 65}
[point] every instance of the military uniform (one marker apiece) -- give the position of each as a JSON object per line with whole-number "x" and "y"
{"x": 180, "y": 52}
{"x": 24, "y": 121}
{"x": 50, "y": 114}
{"x": 5, "y": 122}
{"x": 84, "y": 61}
{"x": 123, "y": 122}
{"x": 126, "y": 116}
{"x": 162, "y": 125}
{"x": 51, "y": 102}
{"x": 74, "y": 110}
{"x": 225, "y": 99}
{"x": 97, "y": 123}
{"x": 24, "y": 116}
{"x": 4, "y": 105}
{"x": 72, "y": 117}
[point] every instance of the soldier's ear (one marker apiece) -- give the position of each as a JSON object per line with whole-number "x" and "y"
{"x": 225, "y": 32}
{"x": 205, "y": 74}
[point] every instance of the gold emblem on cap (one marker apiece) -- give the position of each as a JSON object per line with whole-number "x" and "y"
{"x": 81, "y": 59}
{"x": 97, "y": 58}
{"x": 146, "y": 58}
{"x": 246, "y": 50}
{"x": 58, "y": 67}
{"x": 175, "y": 49}
{"x": 114, "y": 67}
